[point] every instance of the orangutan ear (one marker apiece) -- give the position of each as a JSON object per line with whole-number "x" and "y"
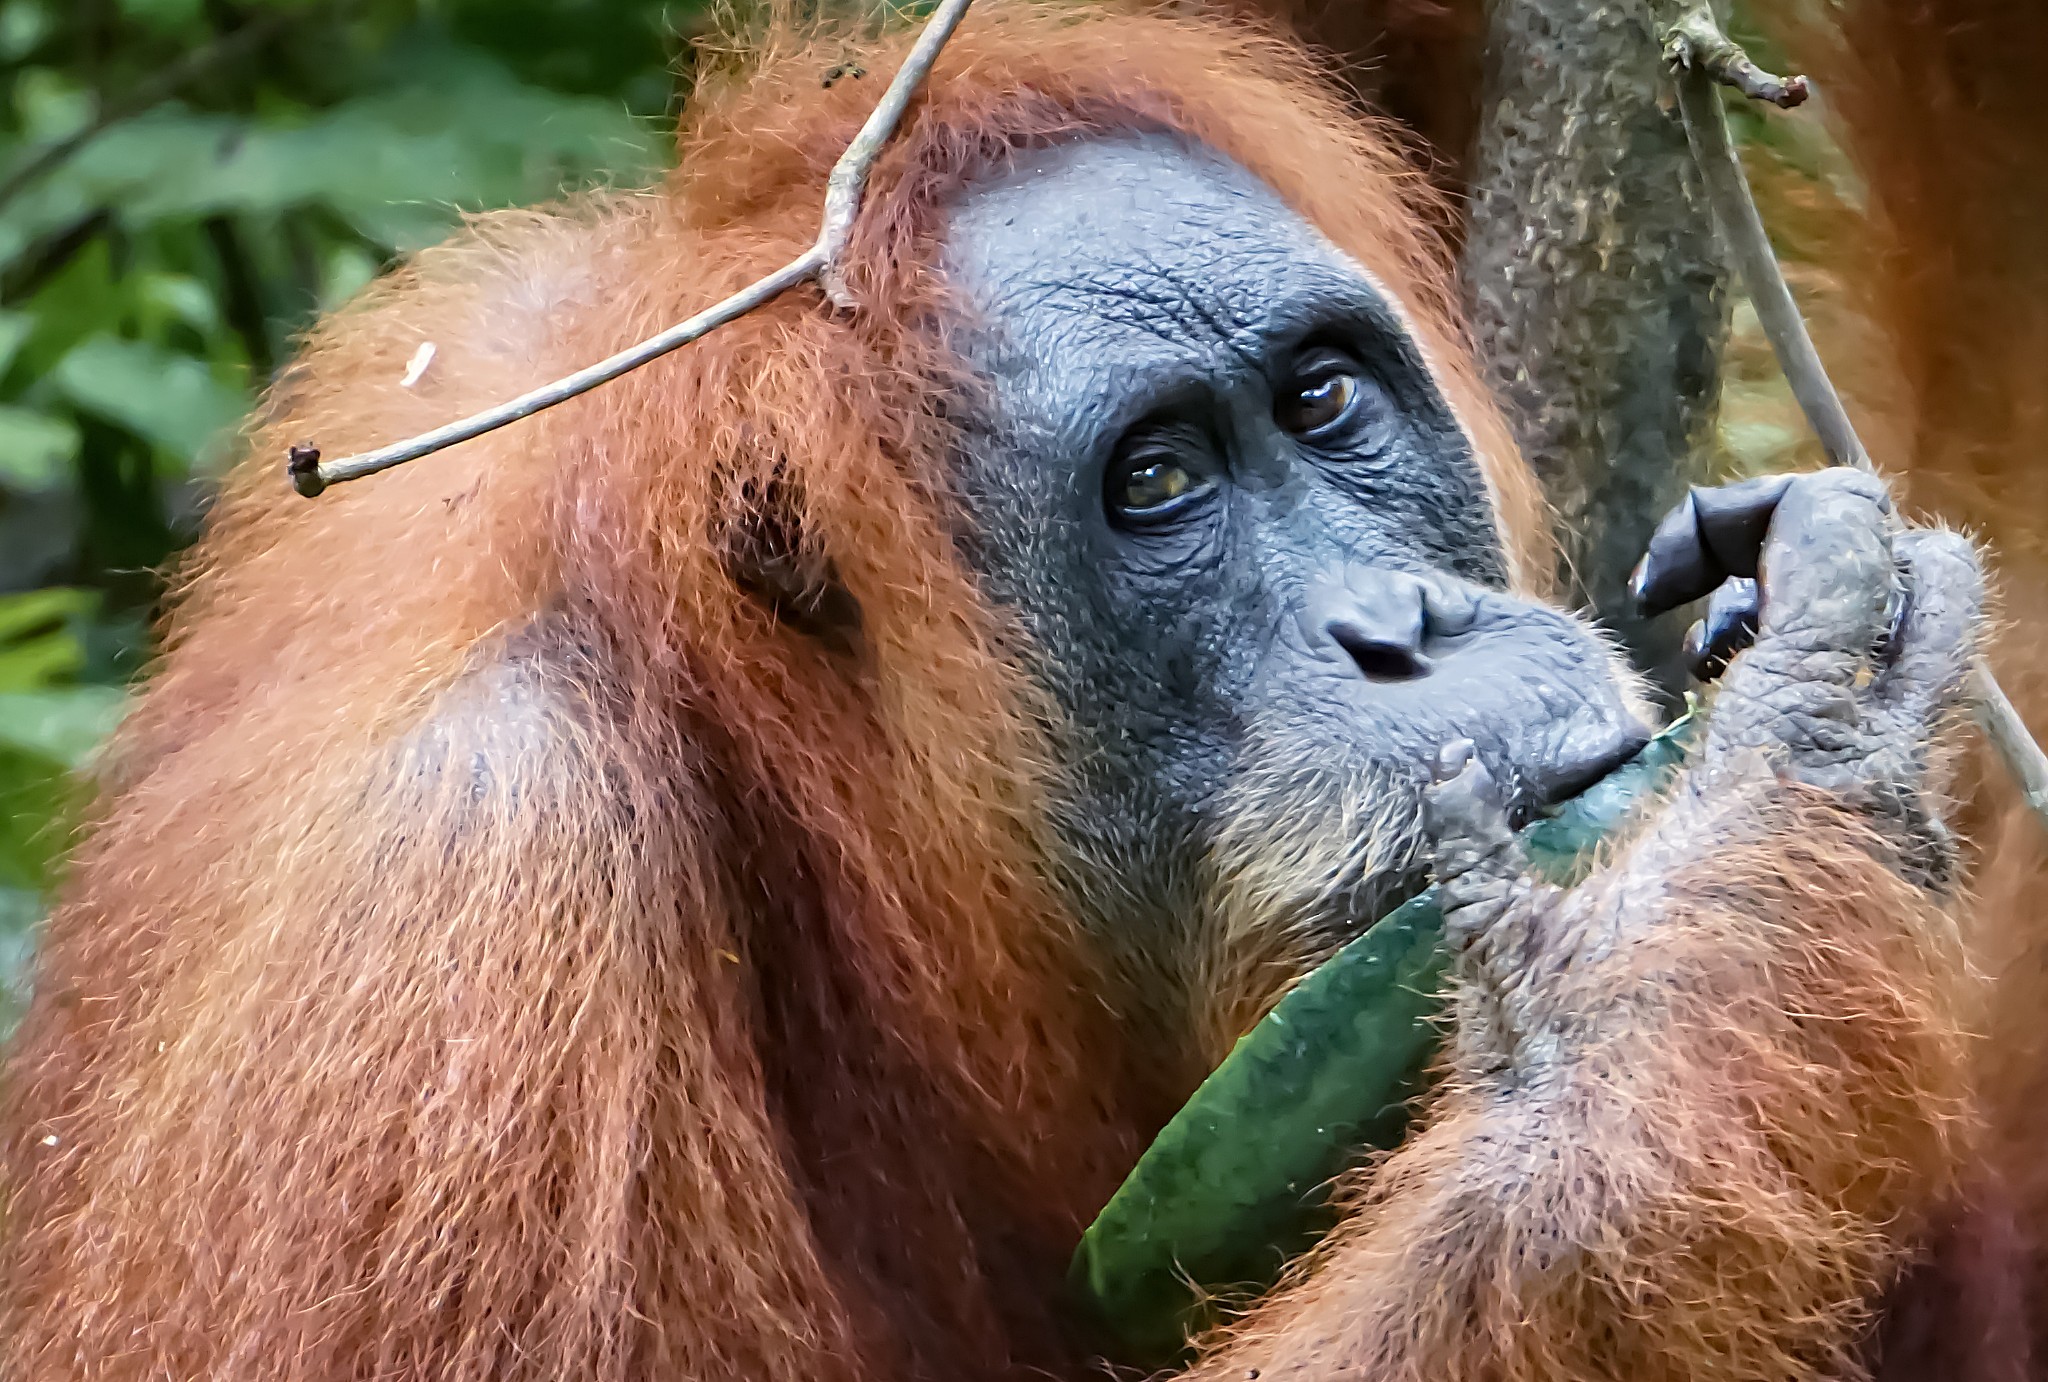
{"x": 764, "y": 553}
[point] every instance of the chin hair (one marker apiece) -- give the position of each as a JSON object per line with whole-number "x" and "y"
{"x": 1310, "y": 854}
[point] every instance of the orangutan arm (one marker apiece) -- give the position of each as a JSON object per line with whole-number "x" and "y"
{"x": 1694, "y": 1106}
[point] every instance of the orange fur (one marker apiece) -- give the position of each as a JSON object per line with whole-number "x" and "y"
{"x": 1736, "y": 1090}
{"x": 1939, "y": 337}
{"x": 502, "y": 951}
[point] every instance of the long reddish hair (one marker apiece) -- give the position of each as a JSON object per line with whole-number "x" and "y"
{"x": 504, "y": 949}
{"x": 1933, "y": 312}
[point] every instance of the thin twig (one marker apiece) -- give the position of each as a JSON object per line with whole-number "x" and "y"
{"x": 849, "y": 177}
{"x": 1697, "y": 43}
{"x": 147, "y": 96}
{"x": 1735, "y": 209}
{"x": 1703, "y": 56}
{"x": 310, "y": 475}
{"x": 2008, "y": 733}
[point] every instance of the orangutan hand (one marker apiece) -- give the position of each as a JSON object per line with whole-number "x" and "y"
{"x": 1859, "y": 634}
{"x": 1843, "y": 643}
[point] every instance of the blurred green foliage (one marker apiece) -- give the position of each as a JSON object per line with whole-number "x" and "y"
{"x": 211, "y": 175}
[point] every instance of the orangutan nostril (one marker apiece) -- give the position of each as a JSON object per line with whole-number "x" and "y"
{"x": 1380, "y": 658}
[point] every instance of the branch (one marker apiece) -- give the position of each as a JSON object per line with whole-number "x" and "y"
{"x": 310, "y": 475}
{"x": 1703, "y": 55}
{"x": 1697, "y": 43}
{"x": 1735, "y": 209}
{"x": 1594, "y": 283}
{"x": 46, "y": 255}
{"x": 2008, "y": 733}
{"x": 241, "y": 293}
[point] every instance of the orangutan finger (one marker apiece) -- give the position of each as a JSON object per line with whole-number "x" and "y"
{"x": 1676, "y": 568}
{"x": 1827, "y": 576}
{"x": 1478, "y": 860}
{"x": 1734, "y": 519}
{"x": 1715, "y": 534}
{"x": 1728, "y": 627}
{"x": 1940, "y": 622}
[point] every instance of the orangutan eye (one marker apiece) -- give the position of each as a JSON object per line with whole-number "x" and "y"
{"x": 1155, "y": 485}
{"x": 1147, "y": 486}
{"x": 1323, "y": 398}
{"x": 1149, "y": 491}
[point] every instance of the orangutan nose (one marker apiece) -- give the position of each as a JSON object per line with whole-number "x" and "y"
{"x": 1380, "y": 619}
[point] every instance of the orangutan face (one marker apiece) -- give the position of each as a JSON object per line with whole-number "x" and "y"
{"x": 1252, "y": 546}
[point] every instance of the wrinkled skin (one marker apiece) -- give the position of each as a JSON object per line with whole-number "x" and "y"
{"x": 472, "y": 1076}
{"x": 1318, "y": 608}
{"x": 1290, "y": 638}
{"x": 1862, "y": 637}
{"x": 1257, "y": 562}
{"x": 1694, "y": 1114}
{"x": 649, "y": 1004}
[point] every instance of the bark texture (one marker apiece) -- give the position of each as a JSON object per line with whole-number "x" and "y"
{"x": 1597, "y": 288}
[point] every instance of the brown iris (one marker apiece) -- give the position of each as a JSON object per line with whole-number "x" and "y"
{"x": 1153, "y": 486}
{"x": 1316, "y": 403}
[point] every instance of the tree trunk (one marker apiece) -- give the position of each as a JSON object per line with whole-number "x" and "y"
{"x": 1597, "y": 289}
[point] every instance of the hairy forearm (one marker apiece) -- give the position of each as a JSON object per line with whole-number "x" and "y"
{"x": 1689, "y": 1111}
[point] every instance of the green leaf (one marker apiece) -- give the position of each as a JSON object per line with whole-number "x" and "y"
{"x": 23, "y": 25}
{"x": 84, "y": 298}
{"x": 20, "y": 911}
{"x": 40, "y": 642}
{"x": 14, "y": 329}
{"x": 164, "y": 16}
{"x": 454, "y": 131}
{"x": 1237, "y": 1182}
{"x": 50, "y": 104}
{"x": 62, "y": 727}
{"x": 348, "y": 270}
{"x": 30, "y": 611}
{"x": 37, "y": 799}
{"x": 180, "y": 298}
{"x": 171, "y": 400}
{"x": 1234, "y": 1185}
{"x": 36, "y": 449}
{"x": 402, "y": 163}
{"x": 47, "y": 731}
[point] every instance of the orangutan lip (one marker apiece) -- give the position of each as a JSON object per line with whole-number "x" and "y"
{"x": 1561, "y": 782}
{"x": 1545, "y": 799}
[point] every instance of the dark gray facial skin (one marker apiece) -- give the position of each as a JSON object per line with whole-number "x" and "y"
{"x": 1257, "y": 672}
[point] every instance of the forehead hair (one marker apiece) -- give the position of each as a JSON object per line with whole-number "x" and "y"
{"x": 763, "y": 130}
